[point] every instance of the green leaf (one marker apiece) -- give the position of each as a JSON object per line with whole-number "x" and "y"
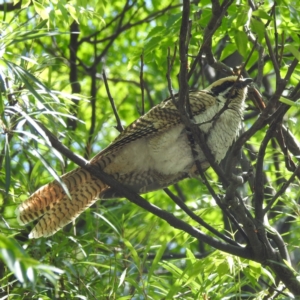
{"x": 114, "y": 228}
{"x": 241, "y": 42}
{"x": 133, "y": 252}
{"x": 173, "y": 19}
{"x": 258, "y": 28}
{"x": 152, "y": 43}
{"x": 261, "y": 14}
{"x": 20, "y": 271}
{"x": 242, "y": 18}
{"x": 24, "y": 267}
{"x": 25, "y": 3}
{"x": 94, "y": 264}
{"x": 63, "y": 10}
{"x": 293, "y": 50}
{"x": 26, "y": 77}
{"x": 2, "y": 92}
{"x": 52, "y": 172}
{"x": 7, "y": 164}
{"x": 122, "y": 277}
{"x": 41, "y": 10}
{"x": 34, "y": 124}
{"x": 72, "y": 11}
{"x": 269, "y": 275}
{"x": 8, "y": 257}
{"x": 193, "y": 273}
{"x": 31, "y": 274}
{"x": 289, "y": 102}
{"x": 157, "y": 258}
{"x": 156, "y": 31}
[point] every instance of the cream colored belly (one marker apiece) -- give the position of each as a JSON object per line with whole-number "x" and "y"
{"x": 166, "y": 153}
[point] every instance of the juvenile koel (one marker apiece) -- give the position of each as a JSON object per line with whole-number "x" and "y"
{"x": 150, "y": 154}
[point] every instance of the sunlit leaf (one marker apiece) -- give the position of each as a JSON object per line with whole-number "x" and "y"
{"x": 157, "y": 258}
{"x": 258, "y": 28}
{"x": 293, "y": 50}
{"x": 72, "y": 11}
{"x": 289, "y": 102}
{"x": 108, "y": 222}
{"x": 132, "y": 252}
{"x": 241, "y": 42}
{"x": 122, "y": 277}
{"x": 41, "y": 10}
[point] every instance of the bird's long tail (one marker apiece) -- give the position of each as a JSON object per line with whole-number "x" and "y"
{"x": 53, "y": 207}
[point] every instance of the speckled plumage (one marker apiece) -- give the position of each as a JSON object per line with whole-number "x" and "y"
{"x": 151, "y": 153}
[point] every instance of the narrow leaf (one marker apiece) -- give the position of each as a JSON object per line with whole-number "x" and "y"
{"x": 7, "y": 165}
{"x": 293, "y": 50}
{"x": 122, "y": 277}
{"x": 52, "y": 172}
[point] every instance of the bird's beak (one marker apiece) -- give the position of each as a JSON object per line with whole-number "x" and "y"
{"x": 257, "y": 99}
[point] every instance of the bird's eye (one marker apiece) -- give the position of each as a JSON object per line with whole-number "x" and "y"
{"x": 218, "y": 89}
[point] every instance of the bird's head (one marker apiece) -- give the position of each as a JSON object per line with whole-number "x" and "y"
{"x": 230, "y": 90}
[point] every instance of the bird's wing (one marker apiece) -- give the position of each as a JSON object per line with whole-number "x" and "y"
{"x": 160, "y": 118}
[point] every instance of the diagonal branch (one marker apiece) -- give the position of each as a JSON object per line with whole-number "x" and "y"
{"x": 198, "y": 219}
{"x": 119, "y": 126}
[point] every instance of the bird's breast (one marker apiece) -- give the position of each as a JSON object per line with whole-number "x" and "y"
{"x": 220, "y": 130}
{"x": 170, "y": 151}
{"x": 167, "y": 152}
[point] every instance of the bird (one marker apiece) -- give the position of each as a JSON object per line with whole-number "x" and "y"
{"x": 152, "y": 153}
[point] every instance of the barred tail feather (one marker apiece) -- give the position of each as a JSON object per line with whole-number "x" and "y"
{"x": 54, "y": 208}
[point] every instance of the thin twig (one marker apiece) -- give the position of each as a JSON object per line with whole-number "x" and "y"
{"x": 249, "y": 56}
{"x": 93, "y": 101}
{"x": 206, "y": 48}
{"x": 272, "y": 56}
{"x": 73, "y": 75}
{"x": 119, "y": 126}
{"x": 108, "y": 24}
{"x": 142, "y": 84}
{"x": 291, "y": 69}
{"x": 281, "y": 49}
{"x": 281, "y": 190}
{"x": 183, "y": 51}
{"x": 170, "y": 63}
{"x": 275, "y": 32}
{"x": 174, "y": 56}
{"x": 198, "y": 219}
{"x": 110, "y": 39}
{"x": 259, "y": 182}
{"x": 168, "y": 256}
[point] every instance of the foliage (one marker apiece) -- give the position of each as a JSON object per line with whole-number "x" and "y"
{"x": 53, "y": 56}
